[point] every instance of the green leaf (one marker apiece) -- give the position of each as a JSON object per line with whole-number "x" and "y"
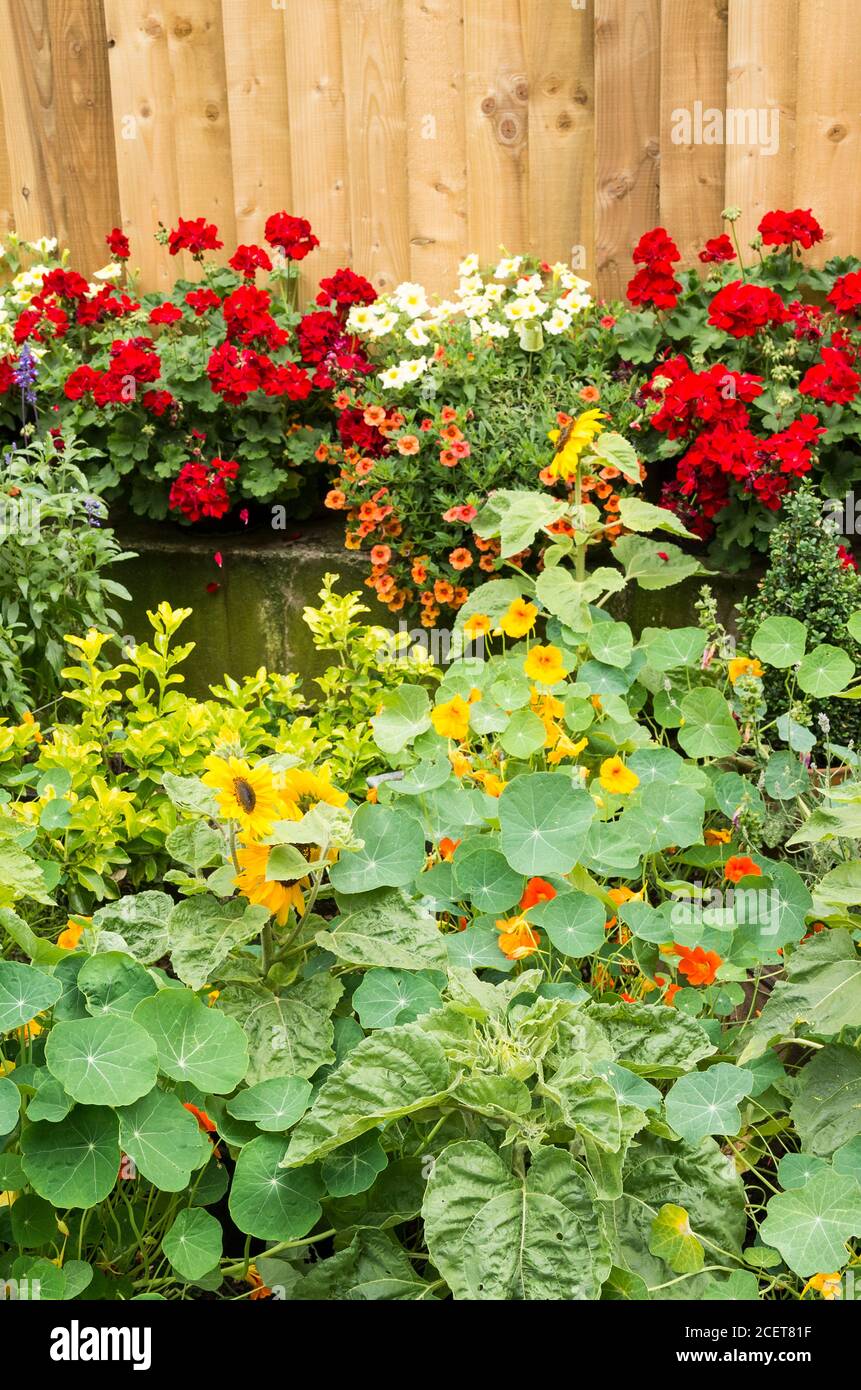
{"x": 654, "y": 564}
{"x": 663, "y": 815}
{"x": 673, "y": 1241}
{"x": 543, "y": 820}
{"x": 404, "y": 715}
{"x": 102, "y": 1061}
{"x": 387, "y": 997}
{"x": 786, "y": 776}
{"x": 523, "y": 735}
{"x": 826, "y": 1110}
{"x": 810, "y": 1225}
{"x": 779, "y": 642}
{"x": 494, "y": 1236}
{"x": 825, "y": 671}
{"x": 286, "y": 864}
{"x": 574, "y": 922}
{"x": 481, "y": 873}
{"x": 204, "y": 932}
{"x": 614, "y": 449}
{"x": 392, "y": 1073}
{"x": 516, "y": 516}
{"x": 354, "y": 1167}
{"x": 392, "y": 855}
{"x": 195, "y": 1044}
{"x": 706, "y": 1102}
{"x": 163, "y": 1140}
{"x": 394, "y": 933}
{"x": 196, "y": 844}
{"x": 671, "y": 648}
{"x": 34, "y": 1222}
{"x": 50, "y": 1101}
{"x": 289, "y": 1034}
{"x": 708, "y": 729}
{"x": 10, "y": 1104}
{"x": 742, "y": 1286}
{"x": 637, "y": 515}
{"x": 141, "y": 919}
{"x": 266, "y": 1201}
{"x": 820, "y": 991}
{"x": 652, "y": 1039}
{"x": 193, "y": 1243}
{"x": 273, "y": 1106}
{"x": 611, "y": 643}
{"x": 24, "y": 993}
{"x": 113, "y": 983}
{"x": 73, "y": 1163}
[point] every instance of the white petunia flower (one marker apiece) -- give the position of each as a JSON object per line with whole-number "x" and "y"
{"x": 494, "y": 329}
{"x": 45, "y": 245}
{"x": 411, "y": 370}
{"x": 472, "y": 284}
{"x": 514, "y": 311}
{"x": 558, "y": 322}
{"x": 392, "y": 378}
{"x": 527, "y": 284}
{"x": 410, "y": 298}
{"x": 383, "y": 325}
{"x": 532, "y": 306}
{"x": 574, "y": 302}
{"x": 494, "y": 293}
{"x": 508, "y": 266}
{"x": 361, "y": 318}
{"x": 469, "y": 265}
{"x": 113, "y": 271}
{"x": 416, "y": 335}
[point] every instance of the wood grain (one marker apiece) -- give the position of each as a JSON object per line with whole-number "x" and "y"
{"x": 259, "y": 108}
{"x": 497, "y": 120}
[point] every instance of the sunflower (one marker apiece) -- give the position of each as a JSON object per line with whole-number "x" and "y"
{"x": 246, "y": 794}
{"x": 302, "y": 791}
{"x": 271, "y": 893}
{"x": 571, "y": 442}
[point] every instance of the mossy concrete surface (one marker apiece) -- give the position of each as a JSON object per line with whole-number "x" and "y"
{"x": 267, "y": 578}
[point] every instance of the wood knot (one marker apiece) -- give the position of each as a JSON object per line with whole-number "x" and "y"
{"x": 508, "y": 129}
{"x": 653, "y": 148}
{"x": 211, "y": 111}
{"x": 836, "y": 133}
{"x": 182, "y": 28}
{"x": 581, "y": 96}
{"x": 564, "y": 121}
{"x": 488, "y": 106}
{"x": 152, "y": 28}
{"x": 618, "y": 187}
{"x": 520, "y": 89}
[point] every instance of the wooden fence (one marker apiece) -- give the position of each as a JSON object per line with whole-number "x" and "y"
{"x": 412, "y": 131}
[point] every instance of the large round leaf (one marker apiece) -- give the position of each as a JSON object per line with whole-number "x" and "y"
{"x": 194, "y": 1043}
{"x": 113, "y": 983}
{"x": 706, "y": 1102}
{"x": 393, "y": 852}
{"x": 825, "y": 671}
{"x": 10, "y": 1104}
{"x": 163, "y": 1139}
{"x": 779, "y": 642}
{"x": 543, "y": 822}
{"x": 73, "y": 1163}
{"x": 573, "y": 921}
{"x": 102, "y": 1061}
{"x": 354, "y": 1167}
{"x": 24, "y": 993}
{"x": 387, "y": 997}
{"x": 810, "y": 1225}
{"x": 269, "y": 1201}
{"x": 193, "y": 1243}
{"x": 273, "y": 1105}
{"x": 481, "y": 873}
{"x": 141, "y": 919}
{"x": 708, "y": 729}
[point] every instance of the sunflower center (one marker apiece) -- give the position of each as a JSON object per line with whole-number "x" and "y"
{"x": 244, "y": 793}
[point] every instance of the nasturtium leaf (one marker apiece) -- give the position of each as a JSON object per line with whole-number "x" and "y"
{"x": 786, "y": 776}
{"x": 12, "y": 1176}
{"x": 266, "y": 1200}
{"x": 78, "y": 1275}
{"x": 810, "y": 1225}
{"x": 113, "y": 983}
{"x": 495, "y": 1236}
{"x": 393, "y": 851}
{"x": 574, "y": 922}
{"x": 141, "y": 919}
{"x": 102, "y": 1061}
{"x": 611, "y": 643}
{"x": 706, "y": 1102}
{"x": 668, "y": 649}
{"x": 387, "y": 997}
{"x": 194, "y": 1043}
{"x": 193, "y": 1243}
{"x": 523, "y": 735}
{"x": 50, "y": 1101}
{"x": 742, "y": 1286}
{"x": 273, "y": 1105}
{"x": 847, "y": 1159}
{"x": 289, "y": 1034}
{"x": 664, "y": 815}
{"x": 796, "y": 1170}
{"x": 71, "y": 1003}
{"x": 481, "y": 873}
{"x": 163, "y": 1140}
{"x": 477, "y": 947}
{"x": 826, "y": 1110}
{"x": 40, "y": 1277}
{"x": 204, "y": 932}
{"x": 354, "y": 1167}
{"x": 672, "y": 1240}
{"x": 622, "y": 1286}
{"x": 543, "y": 822}
{"x": 73, "y": 1163}
{"x": 24, "y": 993}
{"x": 426, "y": 776}
{"x": 825, "y": 671}
{"x": 779, "y": 642}
{"x": 392, "y": 1073}
{"x": 405, "y": 714}
{"x": 34, "y": 1222}
{"x": 394, "y": 933}
{"x": 10, "y": 1104}
{"x": 708, "y": 729}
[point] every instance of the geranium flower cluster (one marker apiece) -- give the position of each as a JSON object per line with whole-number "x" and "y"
{"x": 200, "y": 490}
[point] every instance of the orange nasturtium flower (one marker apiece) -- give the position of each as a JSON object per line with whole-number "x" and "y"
{"x": 616, "y": 777}
{"x": 699, "y": 966}
{"x": 204, "y": 1122}
{"x": 743, "y": 666}
{"x": 717, "y": 837}
{"x": 451, "y": 719}
{"x": 447, "y": 847}
{"x": 537, "y": 890}
{"x": 516, "y": 938}
{"x": 544, "y": 665}
{"x": 71, "y": 934}
{"x": 478, "y": 625}
{"x": 740, "y": 866}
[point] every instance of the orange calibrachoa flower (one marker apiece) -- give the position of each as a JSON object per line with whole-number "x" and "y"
{"x": 717, "y": 837}
{"x": 616, "y": 777}
{"x": 447, "y": 847}
{"x": 335, "y": 499}
{"x": 419, "y": 572}
{"x": 698, "y": 965}
{"x": 590, "y": 395}
{"x": 537, "y": 890}
{"x": 443, "y": 592}
{"x": 451, "y": 719}
{"x": 740, "y": 866}
{"x": 743, "y": 666}
{"x": 516, "y": 938}
{"x": 381, "y": 554}
{"x": 545, "y": 666}
{"x": 460, "y": 559}
{"x": 408, "y": 444}
{"x": 374, "y": 415}
{"x": 518, "y": 618}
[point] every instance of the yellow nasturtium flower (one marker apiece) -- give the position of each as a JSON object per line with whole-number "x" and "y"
{"x": 616, "y": 777}
{"x": 518, "y": 618}
{"x": 451, "y": 719}
{"x": 544, "y": 665}
{"x": 743, "y": 666}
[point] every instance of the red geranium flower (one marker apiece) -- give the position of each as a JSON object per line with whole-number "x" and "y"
{"x": 718, "y": 248}
{"x": 195, "y": 235}
{"x": 832, "y": 380}
{"x": 846, "y": 294}
{"x": 743, "y": 309}
{"x": 292, "y": 235}
{"x": 786, "y": 228}
{"x": 201, "y": 300}
{"x": 165, "y": 313}
{"x": 246, "y": 260}
{"x": 118, "y": 243}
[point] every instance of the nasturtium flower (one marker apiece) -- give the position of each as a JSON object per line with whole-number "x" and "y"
{"x": 545, "y": 666}
{"x": 246, "y": 794}
{"x": 740, "y": 866}
{"x": 717, "y": 837}
{"x": 698, "y": 966}
{"x": 743, "y": 666}
{"x": 447, "y": 847}
{"x": 537, "y": 890}
{"x": 478, "y": 625}
{"x": 70, "y": 935}
{"x": 565, "y": 747}
{"x": 616, "y": 777}
{"x": 516, "y": 938}
{"x": 518, "y": 618}
{"x": 828, "y": 1285}
{"x": 277, "y": 896}
{"x": 577, "y": 436}
{"x": 493, "y": 785}
{"x": 451, "y": 719}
